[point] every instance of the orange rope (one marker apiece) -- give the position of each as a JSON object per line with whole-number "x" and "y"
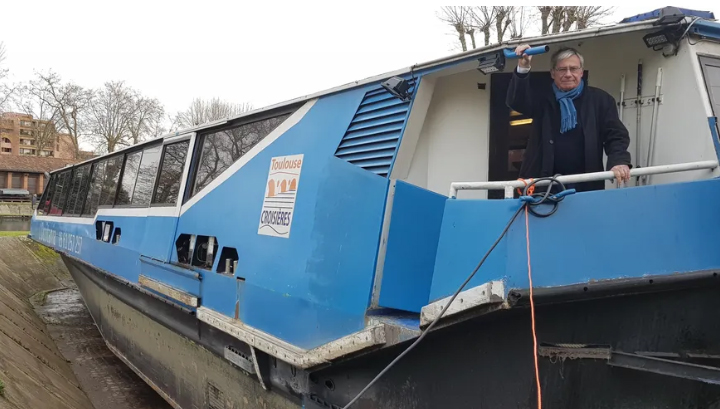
{"x": 530, "y": 191}
{"x": 532, "y": 310}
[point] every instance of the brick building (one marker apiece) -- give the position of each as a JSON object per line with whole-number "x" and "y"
{"x": 27, "y": 172}
{"x": 21, "y": 134}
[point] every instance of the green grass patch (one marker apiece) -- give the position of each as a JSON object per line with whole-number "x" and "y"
{"x": 13, "y": 233}
{"x": 2, "y": 388}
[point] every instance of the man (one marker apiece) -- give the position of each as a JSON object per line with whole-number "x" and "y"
{"x": 573, "y": 123}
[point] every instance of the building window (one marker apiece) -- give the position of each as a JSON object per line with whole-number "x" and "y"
{"x": 16, "y": 181}
{"x": 6, "y": 140}
{"x": 26, "y": 123}
{"x": 27, "y": 142}
{"x": 170, "y": 175}
{"x": 5, "y": 130}
{"x": 46, "y": 153}
{"x": 6, "y": 150}
{"x": 146, "y": 176}
{"x": 221, "y": 149}
{"x": 24, "y": 151}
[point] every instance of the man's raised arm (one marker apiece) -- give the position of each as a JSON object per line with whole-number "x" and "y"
{"x": 519, "y": 96}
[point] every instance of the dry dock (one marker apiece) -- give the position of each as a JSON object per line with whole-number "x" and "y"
{"x": 51, "y": 354}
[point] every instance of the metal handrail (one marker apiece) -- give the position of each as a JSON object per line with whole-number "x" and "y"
{"x": 509, "y": 185}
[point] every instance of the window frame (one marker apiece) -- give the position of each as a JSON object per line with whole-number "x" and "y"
{"x": 201, "y": 136}
{"x": 191, "y": 138}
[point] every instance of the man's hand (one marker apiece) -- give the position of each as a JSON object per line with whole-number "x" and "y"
{"x": 622, "y": 173}
{"x": 524, "y": 60}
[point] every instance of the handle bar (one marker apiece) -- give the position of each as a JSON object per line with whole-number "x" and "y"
{"x": 541, "y": 49}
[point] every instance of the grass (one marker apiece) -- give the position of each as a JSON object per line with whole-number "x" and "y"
{"x": 2, "y": 388}
{"x": 13, "y": 233}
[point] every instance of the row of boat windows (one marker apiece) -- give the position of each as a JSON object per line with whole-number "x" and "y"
{"x": 151, "y": 176}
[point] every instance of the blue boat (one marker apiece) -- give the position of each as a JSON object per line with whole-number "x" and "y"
{"x": 325, "y": 252}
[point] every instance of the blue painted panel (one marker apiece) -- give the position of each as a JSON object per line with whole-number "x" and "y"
{"x": 618, "y": 233}
{"x": 159, "y": 237}
{"x": 712, "y": 121}
{"x": 132, "y": 228}
{"x": 411, "y": 247}
{"x": 469, "y": 228}
{"x": 315, "y": 285}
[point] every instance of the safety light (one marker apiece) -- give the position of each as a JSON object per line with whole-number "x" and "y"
{"x": 398, "y": 87}
{"x": 661, "y": 38}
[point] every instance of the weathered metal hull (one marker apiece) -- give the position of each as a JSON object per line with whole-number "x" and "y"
{"x": 484, "y": 361}
{"x": 183, "y": 364}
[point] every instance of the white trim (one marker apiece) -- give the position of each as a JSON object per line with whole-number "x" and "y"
{"x": 185, "y": 175}
{"x": 382, "y": 250}
{"x": 168, "y": 290}
{"x": 66, "y": 219}
{"x": 303, "y": 358}
{"x": 492, "y": 292}
{"x": 265, "y": 142}
{"x": 178, "y": 138}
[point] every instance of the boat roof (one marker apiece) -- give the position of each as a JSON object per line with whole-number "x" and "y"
{"x": 640, "y": 22}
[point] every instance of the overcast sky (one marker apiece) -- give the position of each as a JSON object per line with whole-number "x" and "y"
{"x": 238, "y": 51}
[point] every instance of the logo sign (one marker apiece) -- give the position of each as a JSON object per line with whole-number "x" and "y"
{"x": 280, "y": 194}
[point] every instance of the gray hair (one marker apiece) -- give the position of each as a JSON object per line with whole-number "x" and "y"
{"x": 565, "y": 53}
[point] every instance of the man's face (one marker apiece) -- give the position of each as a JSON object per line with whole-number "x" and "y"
{"x": 568, "y": 73}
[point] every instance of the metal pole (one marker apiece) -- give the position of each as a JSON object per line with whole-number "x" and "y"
{"x": 622, "y": 97}
{"x": 653, "y": 123}
{"x": 638, "y": 127}
{"x": 585, "y": 177}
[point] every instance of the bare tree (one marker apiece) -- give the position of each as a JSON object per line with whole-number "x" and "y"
{"x": 502, "y": 20}
{"x": 147, "y": 119}
{"x": 6, "y": 91}
{"x": 545, "y": 18}
{"x": 483, "y": 17}
{"x": 459, "y": 17}
{"x": 111, "y": 112}
{"x": 71, "y": 102}
{"x": 201, "y": 111}
{"x": 35, "y": 100}
{"x": 520, "y": 20}
{"x": 588, "y": 16}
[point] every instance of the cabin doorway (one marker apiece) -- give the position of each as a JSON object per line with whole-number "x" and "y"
{"x": 510, "y": 130}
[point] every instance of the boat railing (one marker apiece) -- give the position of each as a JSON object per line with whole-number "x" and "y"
{"x": 509, "y": 185}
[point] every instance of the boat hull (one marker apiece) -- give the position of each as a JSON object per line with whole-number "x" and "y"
{"x": 169, "y": 348}
{"x": 482, "y": 361}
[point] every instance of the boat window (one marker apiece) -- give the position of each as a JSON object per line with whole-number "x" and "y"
{"x": 79, "y": 181}
{"x": 222, "y": 148}
{"x": 110, "y": 182}
{"x": 129, "y": 176}
{"x": 61, "y": 189}
{"x": 711, "y": 72}
{"x": 146, "y": 176}
{"x": 93, "y": 198}
{"x": 47, "y": 195}
{"x": 171, "y": 170}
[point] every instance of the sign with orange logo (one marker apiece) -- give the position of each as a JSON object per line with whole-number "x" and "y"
{"x": 280, "y": 193}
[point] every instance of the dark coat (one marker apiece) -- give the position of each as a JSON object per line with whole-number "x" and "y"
{"x": 598, "y": 118}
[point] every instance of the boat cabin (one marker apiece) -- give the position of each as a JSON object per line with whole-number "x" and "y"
{"x": 327, "y": 224}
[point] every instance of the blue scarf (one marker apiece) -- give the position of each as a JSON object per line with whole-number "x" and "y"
{"x": 568, "y": 115}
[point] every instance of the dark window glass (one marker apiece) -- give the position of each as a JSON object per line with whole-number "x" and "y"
{"x": 32, "y": 184}
{"x": 168, "y": 184}
{"x": 44, "y": 207}
{"x": 221, "y": 149}
{"x": 16, "y": 181}
{"x": 110, "y": 180}
{"x": 146, "y": 176}
{"x": 93, "y": 197}
{"x": 129, "y": 176}
{"x": 84, "y": 188}
{"x": 79, "y": 179}
{"x": 61, "y": 188}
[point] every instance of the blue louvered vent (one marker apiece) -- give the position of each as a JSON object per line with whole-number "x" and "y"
{"x": 371, "y": 140}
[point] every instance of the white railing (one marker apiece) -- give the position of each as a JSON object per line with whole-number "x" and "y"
{"x": 509, "y": 185}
